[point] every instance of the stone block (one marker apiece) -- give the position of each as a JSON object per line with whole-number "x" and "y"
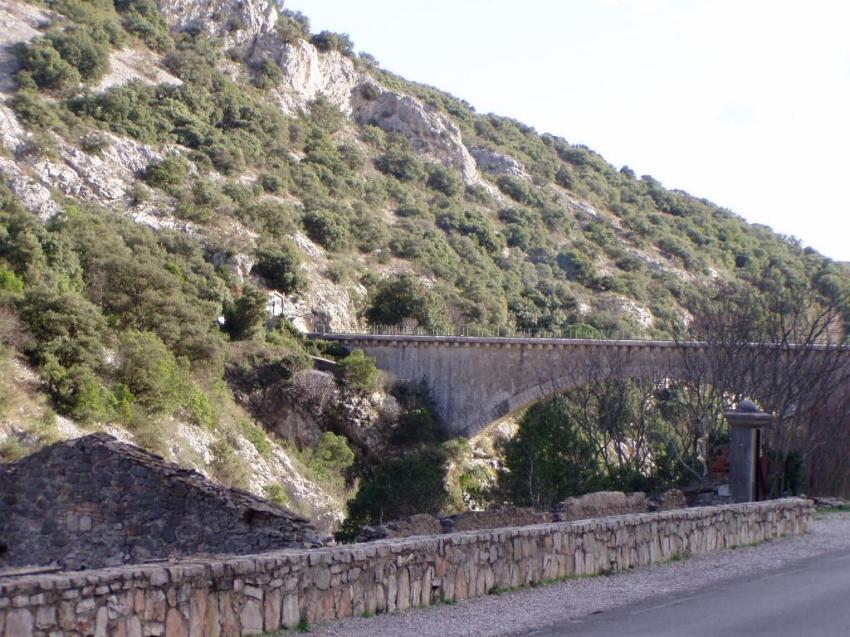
{"x": 19, "y": 623}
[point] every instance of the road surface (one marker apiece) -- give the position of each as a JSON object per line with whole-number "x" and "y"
{"x": 810, "y": 597}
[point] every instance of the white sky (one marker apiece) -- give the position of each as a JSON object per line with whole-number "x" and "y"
{"x": 743, "y": 102}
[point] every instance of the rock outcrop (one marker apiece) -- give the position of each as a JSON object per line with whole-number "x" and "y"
{"x": 235, "y": 21}
{"x": 429, "y": 132}
{"x": 497, "y": 163}
{"x": 95, "y": 502}
{"x": 307, "y": 74}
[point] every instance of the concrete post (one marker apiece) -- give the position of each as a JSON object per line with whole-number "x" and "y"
{"x": 744, "y": 424}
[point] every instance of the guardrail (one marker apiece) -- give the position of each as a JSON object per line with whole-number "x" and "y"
{"x": 577, "y": 332}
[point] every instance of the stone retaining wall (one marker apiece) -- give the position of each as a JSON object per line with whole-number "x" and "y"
{"x": 251, "y": 594}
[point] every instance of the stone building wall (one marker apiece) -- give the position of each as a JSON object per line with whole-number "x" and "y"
{"x": 94, "y": 502}
{"x": 253, "y": 594}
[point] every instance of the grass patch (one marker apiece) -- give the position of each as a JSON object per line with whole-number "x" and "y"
{"x": 821, "y": 513}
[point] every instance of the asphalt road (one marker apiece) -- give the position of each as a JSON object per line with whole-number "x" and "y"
{"x": 808, "y": 598}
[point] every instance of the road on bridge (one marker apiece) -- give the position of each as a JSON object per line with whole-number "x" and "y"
{"x": 809, "y": 598}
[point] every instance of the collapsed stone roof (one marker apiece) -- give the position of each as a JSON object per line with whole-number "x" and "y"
{"x": 95, "y": 501}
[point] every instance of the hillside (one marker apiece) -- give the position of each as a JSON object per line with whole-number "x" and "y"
{"x": 173, "y": 171}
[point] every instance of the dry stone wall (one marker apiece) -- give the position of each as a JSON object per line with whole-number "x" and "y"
{"x": 252, "y": 594}
{"x": 95, "y": 502}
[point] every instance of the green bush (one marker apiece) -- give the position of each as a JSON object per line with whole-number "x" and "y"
{"x": 398, "y": 487}
{"x": 444, "y": 180}
{"x": 519, "y": 190}
{"x": 84, "y": 48}
{"x": 245, "y": 317}
{"x": 329, "y": 41}
{"x": 143, "y": 19}
{"x": 267, "y": 73}
{"x": 227, "y": 466}
{"x": 155, "y": 378}
{"x": 171, "y": 172}
{"x": 277, "y": 494}
{"x": 331, "y": 456}
{"x": 405, "y": 297}
{"x": 359, "y": 372}
{"x": 293, "y": 26}
{"x": 549, "y": 458}
{"x": 328, "y": 228}
{"x": 401, "y": 164}
{"x": 45, "y": 65}
{"x": 280, "y": 265}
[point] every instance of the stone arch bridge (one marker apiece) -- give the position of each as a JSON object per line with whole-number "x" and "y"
{"x": 475, "y": 381}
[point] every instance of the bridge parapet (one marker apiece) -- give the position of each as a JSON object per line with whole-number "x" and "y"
{"x": 476, "y": 380}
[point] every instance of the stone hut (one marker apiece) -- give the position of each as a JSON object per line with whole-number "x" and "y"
{"x": 95, "y": 502}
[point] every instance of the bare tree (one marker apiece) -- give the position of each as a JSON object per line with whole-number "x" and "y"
{"x": 778, "y": 342}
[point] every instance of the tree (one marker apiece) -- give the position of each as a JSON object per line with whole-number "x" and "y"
{"x": 405, "y": 297}
{"x": 280, "y": 265}
{"x": 549, "y": 458}
{"x": 244, "y": 317}
{"x": 779, "y": 342}
{"x": 399, "y": 487}
{"x": 444, "y": 179}
{"x": 359, "y": 371}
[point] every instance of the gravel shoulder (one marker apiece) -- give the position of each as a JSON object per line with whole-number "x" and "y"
{"x": 531, "y": 608}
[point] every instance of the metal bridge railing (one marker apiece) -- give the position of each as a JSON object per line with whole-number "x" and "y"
{"x": 582, "y": 332}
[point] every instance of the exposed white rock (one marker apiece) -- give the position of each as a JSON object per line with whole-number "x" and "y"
{"x": 429, "y": 132}
{"x": 128, "y": 65}
{"x": 239, "y": 265}
{"x": 235, "y": 21}
{"x": 12, "y": 134}
{"x": 630, "y": 309}
{"x": 19, "y": 22}
{"x": 307, "y": 73}
{"x": 33, "y": 194}
{"x": 497, "y": 163}
{"x": 324, "y": 306}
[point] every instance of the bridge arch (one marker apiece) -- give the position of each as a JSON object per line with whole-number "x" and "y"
{"x": 475, "y": 381}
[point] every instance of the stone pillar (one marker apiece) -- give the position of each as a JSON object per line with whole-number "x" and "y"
{"x": 744, "y": 425}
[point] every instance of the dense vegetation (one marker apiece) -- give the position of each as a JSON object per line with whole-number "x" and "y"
{"x": 121, "y": 321}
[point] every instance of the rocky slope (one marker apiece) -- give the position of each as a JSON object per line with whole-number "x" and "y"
{"x": 291, "y": 141}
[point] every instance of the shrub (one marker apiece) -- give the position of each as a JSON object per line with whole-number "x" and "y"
{"x": 245, "y": 317}
{"x": 280, "y": 266}
{"x": 36, "y": 112}
{"x": 444, "y": 180}
{"x": 329, "y": 41}
{"x": 83, "y": 48}
{"x": 369, "y": 233}
{"x": 150, "y": 371}
{"x": 473, "y": 224}
{"x": 577, "y": 266}
{"x": 416, "y": 427}
{"x": 401, "y": 164}
{"x": 325, "y": 115}
{"x": 327, "y": 227}
{"x": 359, "y": 372}
{"x": 331, "y": 455}
{"x": 405, "y": 297}
{"x": 293, "y": 26}
{"x": 267, "y": 73}
{"x": 399, "y": 487}
{"x": 171, "y": 172}
{"x": 10, "y": 284}
{"x": 548, "y": 459}
{"x": 518, "y": 190}
{"x": 143, "y": 19}
{"x": 226, "y": 464}
{"x": 43, "y": 63}
{"x": 277, "y": 494}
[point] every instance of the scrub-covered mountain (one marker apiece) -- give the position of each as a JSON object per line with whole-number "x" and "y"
{"x": 176, "y": 173}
